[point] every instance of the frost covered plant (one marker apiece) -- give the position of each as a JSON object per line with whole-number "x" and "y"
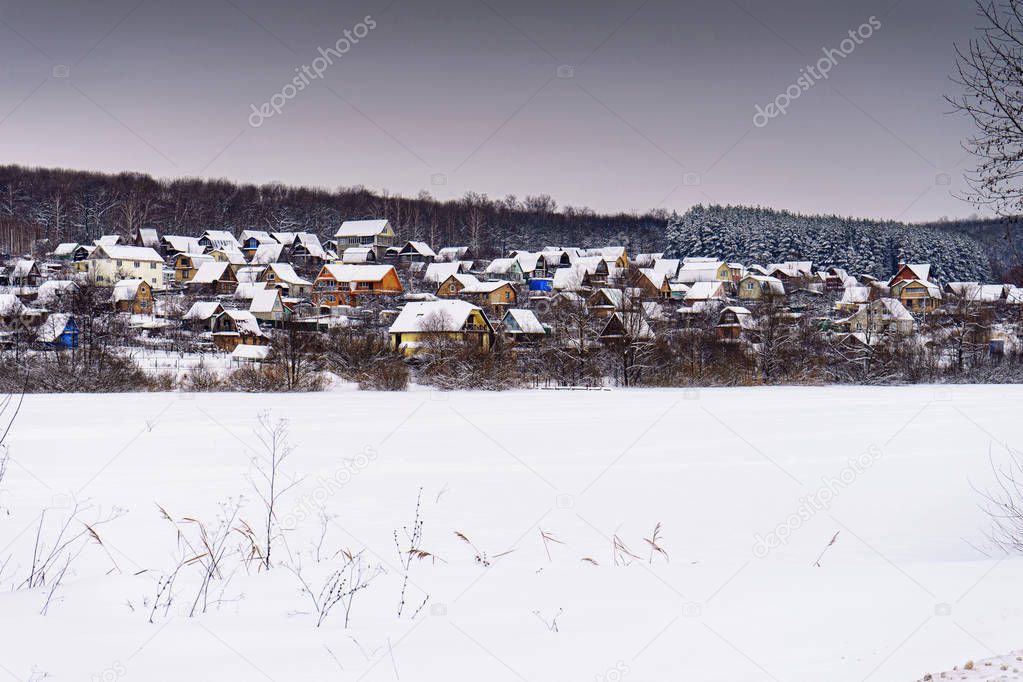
{"x": 267, "y": 478}
{"x": 1004, "y": 503}
{"x": 341, "y": 586}
{"x": 415, "y": 552}
{"x": 54, "y": 552}
{"x": 654, "y": 542}
{"x": 205, "y": 547}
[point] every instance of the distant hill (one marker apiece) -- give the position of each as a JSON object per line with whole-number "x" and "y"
{"x": 760, "y": 235}
{"x": 994, "y": 235}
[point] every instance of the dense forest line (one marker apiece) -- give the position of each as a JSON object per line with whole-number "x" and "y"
{"x": 760, "y": 235}
{"x": 77, "y": 206}
{"x": 43, "y": 207}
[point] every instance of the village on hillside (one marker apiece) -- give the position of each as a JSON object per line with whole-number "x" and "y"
{"x": 229, "y": 296}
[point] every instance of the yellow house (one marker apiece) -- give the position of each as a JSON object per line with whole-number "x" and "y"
{"x": 917, "y": 295}
{"x": 109, "y": 264}
{"x": 759, "y": 287}
{"x": 427, "y": 323}
{"x": 375, "y": 234}
{"x": 703, "y": 270}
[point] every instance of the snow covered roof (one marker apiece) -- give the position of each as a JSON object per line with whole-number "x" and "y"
{"x": 465, "y": 279}
{"x": 855, "y": 295}
{"x": 233, "y": 255}
{"x": 485, "y": 287}
{"x": 698, "y": 271}
{"x": 249, "y": 274}
{"x": 51, "y": 329}
{"x": 51, "y": 290}
{"x": 264, "y": 300}
{"x": 10, "y": 305}
{"x": 742, "y": 315}
{"x": 703, "y": 291}
{"x": 246, "y": 291}
{"x": 422, "y": 248}
{"x": 126, "y": 290}
{"x": 771, "y": 284}
{"x": 358, "y": 273}
{"x": 449, "y": 315}
{"x": 220, "y": 239}
{"x": 502, "y": 266}
{"x": 119, "y": 252}
{"x": 210, "y": 272}
{"x": 527, "y": 260}
{"x": 668, "y": 266}
{"x": 65, "y": 249}
{"x": 438, "y": 272}
{"x": 569, "y": 279}
{"x": 358, "y": 254}
{"x": 203, "y": 310}
{"x": 245, "y": 321}
{"x": 654, "y": 276}
{"x": 522, "y": 321}
{"x": 285, "y": 272}
{"x": 182, "y": 244}
{"x": 261, "y": 237}
{"x": 247, "y": 351}
{"x": 361, "y": 228}
{"x": 977, "y": 292}
{"x": 149, "y": 237}
{"x": 452, "y": 253}
{"x": 268, "y": 253}
{"x": 108, "y": 240}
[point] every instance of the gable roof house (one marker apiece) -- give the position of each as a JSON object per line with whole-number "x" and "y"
{"x": 703, "y": 270}
{"x": 450, "y": 254}
{"x": 652, "y": 283}
{"x": 920, "y": 271}
{"x": 109, "y": 264}
{"x": 21, "y": 273}
{"x": 54, "y": 292}
{"x": 421, "y": 324}
{"x": 214, "y": 277}
{"x": 760, "y": 288}
{"x": 283, "y": 276}
{"x": 505, "y": 268}
{"x": 523, "y": 326}
{"x": 232, "y": 328}
{"x": 187, "y": 264}
{"x": 917, "y": 295}
{"x": 437, "y": 272}
{"x": 416, "y": 252}
{"x": 146, "y": 236}
{"x": 172, "y": 244}
{"x": 453, "y": 285}
{"x": 340, "y": 284}
{"x": 735, "y": 324}
{"x": 267, "y": 306}
{"x": 492, "y": 295}
{"x": 58, "y": 331}
{"x": 219, "y": 240}
{"x": 356, "y": 255}
{"x": 133, "y": 296}
{"x": 883, "y": 317}
{"x": 250, "y": 240}
{"x": 376, "y": 234}
{"x": 306, "y": 249}
{"x": 201, "y": 315}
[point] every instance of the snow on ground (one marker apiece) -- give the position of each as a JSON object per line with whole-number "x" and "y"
{"x": 750, "y": 485}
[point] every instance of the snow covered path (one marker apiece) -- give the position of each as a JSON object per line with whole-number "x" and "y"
{"x": 750, "y": 485}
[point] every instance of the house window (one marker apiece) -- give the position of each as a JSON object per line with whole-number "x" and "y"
{"x": 451, "y": 288}
{"x": 138, "y": 264}
{"x": 749, "y": 286}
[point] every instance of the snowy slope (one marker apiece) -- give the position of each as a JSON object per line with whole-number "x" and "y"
{"x": 749, "y": 484}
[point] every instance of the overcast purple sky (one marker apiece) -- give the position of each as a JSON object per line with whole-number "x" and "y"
{"x": 457, "y": 95}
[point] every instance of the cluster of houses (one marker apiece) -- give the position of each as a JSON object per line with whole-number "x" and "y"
{"x": 232, "y": 291}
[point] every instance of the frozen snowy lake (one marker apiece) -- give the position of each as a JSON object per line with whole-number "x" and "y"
{"x": 749, "y": 486}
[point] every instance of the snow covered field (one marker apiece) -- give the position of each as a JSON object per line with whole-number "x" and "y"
{"x": 750, "y": 485}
